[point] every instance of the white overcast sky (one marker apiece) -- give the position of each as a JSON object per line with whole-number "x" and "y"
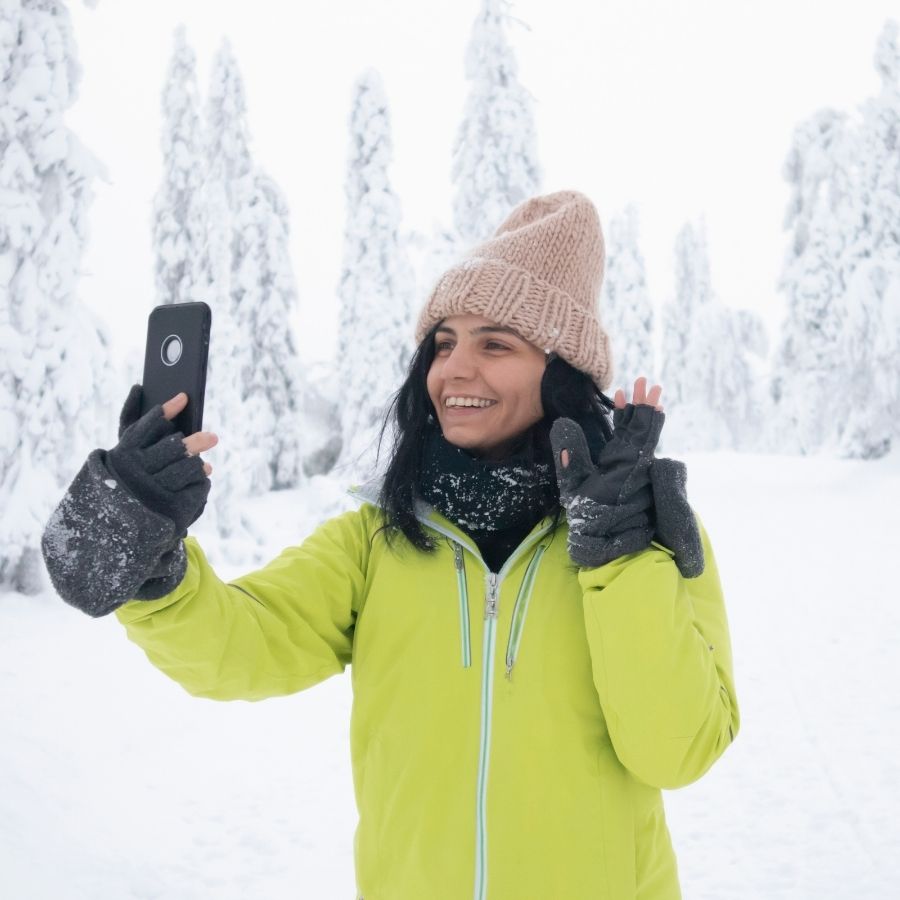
{"x": 684, "y": 108}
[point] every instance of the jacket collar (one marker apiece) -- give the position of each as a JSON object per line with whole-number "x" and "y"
{"x": 368, "y": 491}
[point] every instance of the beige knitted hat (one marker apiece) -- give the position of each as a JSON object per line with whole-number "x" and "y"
{"x": 540, "y": 274}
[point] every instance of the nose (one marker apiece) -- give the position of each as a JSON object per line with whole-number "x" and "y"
{"x": 459, "y": 364}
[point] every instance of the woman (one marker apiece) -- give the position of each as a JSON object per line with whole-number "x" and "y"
{"x": 532, "y": 611}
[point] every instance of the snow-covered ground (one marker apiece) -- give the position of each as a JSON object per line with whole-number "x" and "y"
{"x": 115, "y": 783}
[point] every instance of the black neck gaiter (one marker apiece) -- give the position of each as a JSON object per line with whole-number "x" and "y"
{"x": 484, "y": 496}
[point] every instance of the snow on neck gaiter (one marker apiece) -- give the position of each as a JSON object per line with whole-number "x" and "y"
{"x": 483, "y": 495}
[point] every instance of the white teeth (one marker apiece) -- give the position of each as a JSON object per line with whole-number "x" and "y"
{"x": 467, "y": 401}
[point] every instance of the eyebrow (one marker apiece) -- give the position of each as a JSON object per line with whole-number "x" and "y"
{"x": 482, "y": 329}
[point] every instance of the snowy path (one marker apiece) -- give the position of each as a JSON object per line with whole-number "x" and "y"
{"x": 115, "y": 784}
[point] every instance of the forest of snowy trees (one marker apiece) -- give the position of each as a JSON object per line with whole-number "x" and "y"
{"x": 826, "y": 382}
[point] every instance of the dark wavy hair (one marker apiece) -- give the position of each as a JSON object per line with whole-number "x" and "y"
{"x": 565, "y": 391}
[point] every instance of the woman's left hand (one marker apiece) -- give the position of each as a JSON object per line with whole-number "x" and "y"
{"x": 609, "y": 506}
{"x": 640, "y": 397}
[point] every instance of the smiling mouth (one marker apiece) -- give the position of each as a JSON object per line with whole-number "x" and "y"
{"x": 466, "y": 410}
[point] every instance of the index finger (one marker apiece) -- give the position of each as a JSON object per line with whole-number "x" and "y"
{"x": 172, "y": 407}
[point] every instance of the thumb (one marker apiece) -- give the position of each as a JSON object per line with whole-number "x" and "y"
{"x": 131, "y": 411}
{"x": 567, "y": 434}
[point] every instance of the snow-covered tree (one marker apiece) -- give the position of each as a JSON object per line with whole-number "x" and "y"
{"x": 625, "y": 305}
{"x": 708, "y": 376}
{"x": 177, "y": 234}
{"x": 376, "y": 316}
{"x": 870, "y": 344}
{"x": 228, "y": 187}
{"x": 841, "y": 336}
{"x": 254, "y": 382}
{"x": 56, "y": 381}
{"x": 273, "y": 386}
{"x": 727, "y": 340}
{"x": 495, "y": 163}
{"x": 749, "y": 415}
{"x": 692, "y": 289}
{"x": 808, "y": 368}
{"x": 870, "y": 338}
{"x": 321, "y": 418}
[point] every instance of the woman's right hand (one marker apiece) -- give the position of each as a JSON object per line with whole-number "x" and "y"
{"x": 197, "y": 442}
{"x": 194, "y": 444}
{"x": 158, "y": 464}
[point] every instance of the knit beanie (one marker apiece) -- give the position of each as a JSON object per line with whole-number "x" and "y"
{"x": 540, "y": 274}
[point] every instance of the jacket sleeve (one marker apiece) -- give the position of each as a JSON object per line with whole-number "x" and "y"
{"x": 662, "y": 664}
{"x": 275, "y": 631}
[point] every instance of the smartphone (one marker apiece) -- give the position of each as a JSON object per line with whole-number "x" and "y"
{"x": 175, "y": 360}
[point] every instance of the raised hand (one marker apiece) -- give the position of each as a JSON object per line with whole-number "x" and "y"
{"x": 194, "y": 444}
{"x": 158, "y": 464}
{"x": 609, "y": 506}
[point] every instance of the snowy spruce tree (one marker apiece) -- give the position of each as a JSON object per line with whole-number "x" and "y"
{"x": 709, "y": 380}
{"x": 495, "y": 163}
{"x": 686, "y": 351}
{"x": 870, "y": 338}
{"x": 178, "y": 231}
{"x": 235, "y": 225}
{"x": 625, "y": 304}
{"x": 227, "y": 188}
{"x": 732, "y": 346}
{"x": 809, "y": 371}
{"x": 692, "y": 289}
{"x": 265, "y": 291}
{"x": 56, "y": 381}
{"x": 375, "y": 325}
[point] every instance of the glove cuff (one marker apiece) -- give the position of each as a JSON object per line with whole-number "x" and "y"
{"x": 590, "y": 552}
{"x": 103, "y": 547}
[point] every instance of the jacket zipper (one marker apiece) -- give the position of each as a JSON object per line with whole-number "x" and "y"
{"x": 520, "y": 610}
{"x": 490, "y": 617}
{"x": 491, "y": 611}
{"x": 487, "y": 702}
{"x": 464, "y": 629}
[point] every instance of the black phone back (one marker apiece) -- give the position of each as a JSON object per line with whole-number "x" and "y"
{"x": 175, "y": 360}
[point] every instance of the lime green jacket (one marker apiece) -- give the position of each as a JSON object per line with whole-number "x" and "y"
{"x": 510, "y": 731}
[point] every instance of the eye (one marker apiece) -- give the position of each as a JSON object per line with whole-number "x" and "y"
{"x": 495, "y": 345}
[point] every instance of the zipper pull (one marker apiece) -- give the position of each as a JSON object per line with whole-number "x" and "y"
{"x": 490, "y": 609}
{"x": 459, "y": 556}
{"x": 509, "y": 666}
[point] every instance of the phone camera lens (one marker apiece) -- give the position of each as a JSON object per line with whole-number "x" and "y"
{"x": 171, "y": 350}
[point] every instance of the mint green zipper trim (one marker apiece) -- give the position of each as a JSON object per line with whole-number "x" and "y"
{"x": 464, "y": 630}
{"x": 491, "y": 613}
{"x": 487, "y": 705}
{"x": 520, "y": 610}
{"x": 493, "y": 581}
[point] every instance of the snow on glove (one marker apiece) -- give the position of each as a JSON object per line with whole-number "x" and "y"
{"x": 609, "y": 507}
{"x": 676, "y": 525}
{"x": 103, "y": 547}
{"x": 152, "y": 462}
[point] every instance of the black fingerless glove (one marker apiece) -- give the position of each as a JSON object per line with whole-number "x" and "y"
{"x": 676, "y": 525}
{"x": 103, "y": 547}
{"x": 117, "y": 533}
{"x": 609, "y": 507}
{"x": 150, "y": 460}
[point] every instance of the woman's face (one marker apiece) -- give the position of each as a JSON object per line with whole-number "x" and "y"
{"x": 477, "y": 358}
